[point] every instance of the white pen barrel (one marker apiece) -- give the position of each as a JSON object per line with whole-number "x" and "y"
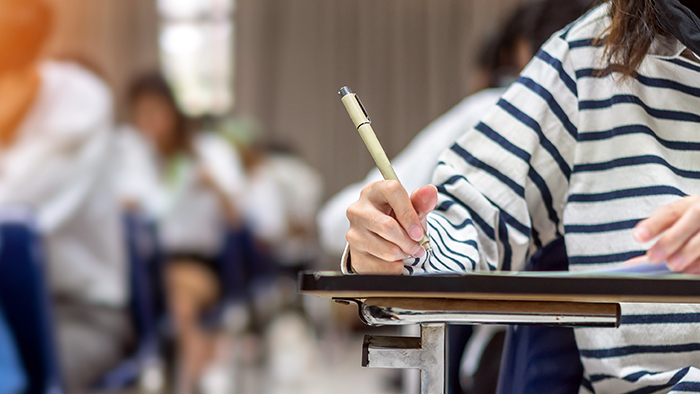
{"x": 362, "y": 124}
{"x": 378, "y": 154}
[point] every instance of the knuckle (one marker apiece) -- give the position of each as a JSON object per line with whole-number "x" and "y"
{"x": 353, "y": 237}
{"x": 353, "y": 211}
{"x": 695, "y": 209}
{"x": 368, "y": 189}
{"x": 385, "y": 224}
{"x": 393, "y": 186}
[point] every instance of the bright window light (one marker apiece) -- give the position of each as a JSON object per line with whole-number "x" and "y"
{"x": 196, "y": 47}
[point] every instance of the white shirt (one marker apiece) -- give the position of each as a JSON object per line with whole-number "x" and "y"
{"x": 263, "y": 204}
{"x": 414, "y": 165}
{"x": 190, "y": 216}
{"x": 302, "y": 188}
{"x": 60, "y": 167}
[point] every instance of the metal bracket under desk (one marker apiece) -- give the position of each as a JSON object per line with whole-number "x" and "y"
{"x": 428, "y": 352}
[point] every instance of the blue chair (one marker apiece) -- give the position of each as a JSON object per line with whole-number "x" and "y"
{"x": 538, "y": 359}
{"x": 242, "y": 270}
{"x": 232, "y": 275}
{"x": 24, "y": 298}
{"x": 147, "y": 302}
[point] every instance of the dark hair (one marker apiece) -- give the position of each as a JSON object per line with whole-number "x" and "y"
{"x": 535, "y": 22}
{"x": 24, "y": 33}
{"x": 155, "y": 84}
{"x": 549, "y": 16}
{"x": 634, "y": 26}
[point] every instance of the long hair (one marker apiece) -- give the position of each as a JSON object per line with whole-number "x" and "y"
{"x": 634, "y": 26}
{"x": 154, "y": 83}
{"x": 25, "y": 29}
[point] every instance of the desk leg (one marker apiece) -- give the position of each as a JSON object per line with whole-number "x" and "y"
{"x": 426, "y": 353}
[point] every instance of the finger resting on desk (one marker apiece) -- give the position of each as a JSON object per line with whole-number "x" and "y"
{"x": 687, "y": 256}
{"x": 637, "y": 260}
{"x": 364, "y": 263}
{"x": 662, "y": 219}
{"x": 677, "y": 235}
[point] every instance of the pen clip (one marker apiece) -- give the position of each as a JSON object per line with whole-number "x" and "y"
{"x": 363, "y": 108}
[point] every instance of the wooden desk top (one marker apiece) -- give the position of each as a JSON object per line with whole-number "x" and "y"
{"x": 506, "y": 286}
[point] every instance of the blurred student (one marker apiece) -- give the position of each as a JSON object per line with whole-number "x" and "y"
{"x": 301, "y": 188}
{"x": 189, "y": 182}
{"x": 500, "y": 61}
{"x": 55, "y": 123}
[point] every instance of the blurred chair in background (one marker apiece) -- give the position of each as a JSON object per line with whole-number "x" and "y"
{"x": 55, "y": 135}
{"x": 12, "y": 376}
{"x": 25, "y": 311}
{"x": 144, "y": 367}
{"x": 190, "y": 183}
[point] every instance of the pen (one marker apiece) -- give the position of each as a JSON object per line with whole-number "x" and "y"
{"x": 362, "y": 122}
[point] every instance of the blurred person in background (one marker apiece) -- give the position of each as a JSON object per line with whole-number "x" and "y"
{"x": 263, "y": 203}
{"x": 301, "y": 188}
{"x": 55, "y": 135}
{"x": 190, "y": 182}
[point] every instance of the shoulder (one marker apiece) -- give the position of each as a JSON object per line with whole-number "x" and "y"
{"x": 591, "y": 25}
{"x": 73, "y": 97}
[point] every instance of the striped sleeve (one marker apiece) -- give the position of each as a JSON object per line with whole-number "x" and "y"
{"x": 502, "y": 186}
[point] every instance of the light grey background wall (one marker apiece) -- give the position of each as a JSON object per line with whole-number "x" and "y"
{"x": 410, "y": 60}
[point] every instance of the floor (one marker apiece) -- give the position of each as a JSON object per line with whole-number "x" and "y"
{"x": 296, "y": 356}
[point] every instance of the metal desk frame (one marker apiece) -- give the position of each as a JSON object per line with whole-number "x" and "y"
{"x": 435, "y": 301}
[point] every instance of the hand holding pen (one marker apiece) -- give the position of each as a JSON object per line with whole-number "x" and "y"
{"x": 386, "y": 224}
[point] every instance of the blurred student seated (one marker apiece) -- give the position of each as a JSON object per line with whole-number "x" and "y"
{"x": 283, "y": 196}
{"x": 189, "y": 182}
{"x": 55, "y": 135}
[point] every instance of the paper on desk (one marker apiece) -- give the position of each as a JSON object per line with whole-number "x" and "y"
{"x": 633, "y": 269}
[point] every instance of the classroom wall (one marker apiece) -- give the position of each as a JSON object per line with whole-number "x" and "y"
{"x": 409, "y": 60}
{"x": 118, "y": 38}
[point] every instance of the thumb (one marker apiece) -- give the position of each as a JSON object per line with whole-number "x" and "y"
{"x": 424, "y": 201}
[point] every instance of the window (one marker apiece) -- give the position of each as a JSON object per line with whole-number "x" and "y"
{"x": 196, "y": 47}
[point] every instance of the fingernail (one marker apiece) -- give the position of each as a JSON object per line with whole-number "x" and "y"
{"x": 420, "y": 253}
{"x": 656, "y": 255}
{"x": 676, "y": 262}
{"x": 640, "y": 234}
{"x": 415, "y": 232}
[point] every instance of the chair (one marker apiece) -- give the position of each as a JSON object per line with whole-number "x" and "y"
{"x": 232, "y": 275}
{"x": 25, "y": 300}
{"x": 147, "y": 307}
{"x": 541, "y": 359}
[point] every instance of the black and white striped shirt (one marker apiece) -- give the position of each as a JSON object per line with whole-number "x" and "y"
{"x": 572, "y": 152}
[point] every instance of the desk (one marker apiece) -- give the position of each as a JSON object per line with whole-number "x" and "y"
{"x": 433, "y": 301}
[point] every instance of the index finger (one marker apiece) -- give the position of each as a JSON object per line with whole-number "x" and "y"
{"x": 660, "y": 220}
